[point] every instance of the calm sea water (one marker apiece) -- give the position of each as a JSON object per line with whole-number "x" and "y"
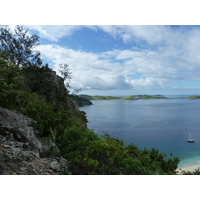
{"x": 164, "y": 124}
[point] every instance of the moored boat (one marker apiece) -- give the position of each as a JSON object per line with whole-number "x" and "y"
{"x": 190, "y": 139}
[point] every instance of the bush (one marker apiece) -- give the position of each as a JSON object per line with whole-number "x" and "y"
{"x": 105, "y": 157}
{"x": 73, "y": 144}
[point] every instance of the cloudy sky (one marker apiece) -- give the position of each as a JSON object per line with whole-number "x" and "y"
{"x": 125, "y": 59}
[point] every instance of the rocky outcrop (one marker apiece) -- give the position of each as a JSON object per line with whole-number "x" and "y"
{"x": 84, "y": 102}
{"x": 22, "y": 151}
{"x": 80, "y": 101}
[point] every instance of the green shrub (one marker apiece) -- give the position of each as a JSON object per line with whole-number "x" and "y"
{"x": 105, "y": 157}
{"x": 73, "y": 144}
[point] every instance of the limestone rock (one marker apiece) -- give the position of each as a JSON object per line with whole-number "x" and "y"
{"x": 22, "y": 151}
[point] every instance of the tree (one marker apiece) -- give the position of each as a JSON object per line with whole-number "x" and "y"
{"x": 19, "y": 46}
{"x": 10, "y": 77}
{"x": 65, "y": 73}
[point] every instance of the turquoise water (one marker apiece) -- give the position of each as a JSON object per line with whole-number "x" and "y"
{"x": 190, "y": 162}
{"x": 160, "y": 123}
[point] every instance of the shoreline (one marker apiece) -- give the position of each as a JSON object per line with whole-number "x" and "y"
{"x": 192, "y": 168}
{"x": 190, "y": 165}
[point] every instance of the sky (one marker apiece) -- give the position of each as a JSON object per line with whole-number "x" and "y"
{"x": 124, "y": 59}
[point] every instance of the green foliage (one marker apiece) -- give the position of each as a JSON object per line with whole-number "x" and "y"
{"x": 132, "y": 166}
{"x": 19, "y": 45}
{"x": 89, "y": 154}
{"x": 104, "y": 97}
{"x": 37, "y": 77}
{"x": 110, "y": 138}
{"x": 11, "y": 83}
{"x": 196, "y": 172}
{"x": 97, "y": 97}
{"x": 148, "y": 162}
{"x": 129, "y": 98}
{"x": 14, "y": 95}
{"x": 48, "y": 115}
{"x": 145, "y": 96}
{"x": 73, "y": 144}
{"x": 37, "y": 108}
{"x": 105, "y": 156}
{"x": 65, "y": 73}
{"x": 80, "y": 100}
{"x": 10, "y": 78}
{"x": 86, "y": 96}
{"x": 193, "y": 97}
{"x": 42, "y": 80}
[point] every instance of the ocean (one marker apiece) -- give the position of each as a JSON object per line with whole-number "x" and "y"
{"x": 164, "y": 124}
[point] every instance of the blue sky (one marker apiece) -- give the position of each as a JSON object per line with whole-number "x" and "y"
{"x": 125, "y": 59}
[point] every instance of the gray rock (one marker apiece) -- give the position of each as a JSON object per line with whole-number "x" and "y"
{"x": 22, "y": 150}
{"x": 55, "y": 165}
{"x": 6, "y": 146}
{"x": 14, "y": 149}
{"x": 18, "y": 124}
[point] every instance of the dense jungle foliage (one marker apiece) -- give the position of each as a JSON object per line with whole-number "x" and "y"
{"x": 28, "y": 86}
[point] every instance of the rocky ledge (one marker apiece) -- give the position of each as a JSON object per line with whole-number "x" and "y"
{"x": 22, "y": 151}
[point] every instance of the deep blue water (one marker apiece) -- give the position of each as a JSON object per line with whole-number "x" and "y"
{"x": 160, "y": 123}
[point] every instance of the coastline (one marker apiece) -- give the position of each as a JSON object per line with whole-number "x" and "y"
{"x": 190, "y": 164}
{"x": 191, "y": 168}
{"x": 187, "y": 169}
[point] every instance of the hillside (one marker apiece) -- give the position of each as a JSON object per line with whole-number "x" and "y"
{"x": 193, "y": 97}
{"x": 132, "y": 97}
{"x": 97, "y": 97}
{"x": 145, "y": 96}
{"x": 129, "y": 98}
{"x": 81, "y": 101}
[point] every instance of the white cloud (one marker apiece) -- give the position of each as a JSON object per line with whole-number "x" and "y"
{"x": 150, "y": 34}
{"x": 146, "y": 84}
{"x": 90, "y": 71}
{"x": 171, "y": 55}
{"x": 54, "y": 32}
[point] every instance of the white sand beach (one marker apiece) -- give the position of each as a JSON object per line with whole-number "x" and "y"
{"x": 187, "y": 168}
{"x": 190, "y": 165}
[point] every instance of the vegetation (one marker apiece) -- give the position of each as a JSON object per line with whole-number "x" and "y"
{"x": 193, "y": 97}
{"x": 96, "y": 97}
{"x": 81, "y": 100}
{"x": 19, "y": 46}
{"x": 133, "y": 97}
{"x": 31, "y": 88}
{"x": 145, "y": 96}
{"x": 195, "y": 172}
{"x": 90, "y": 154}
{"x": 129, "y": 98}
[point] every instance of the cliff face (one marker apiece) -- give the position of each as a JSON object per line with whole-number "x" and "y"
{"x": 22, "y": 151}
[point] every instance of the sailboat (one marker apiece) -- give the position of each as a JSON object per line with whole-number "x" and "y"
{"x": 190, "y": 138}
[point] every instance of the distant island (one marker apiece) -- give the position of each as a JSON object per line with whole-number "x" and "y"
{"x": 145, "y": 96}
{"x": 131, "y": 97}
{"x": 84, "y": 99}
{"x": 193, "y": 97}
{"x": 97, "y": 97}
